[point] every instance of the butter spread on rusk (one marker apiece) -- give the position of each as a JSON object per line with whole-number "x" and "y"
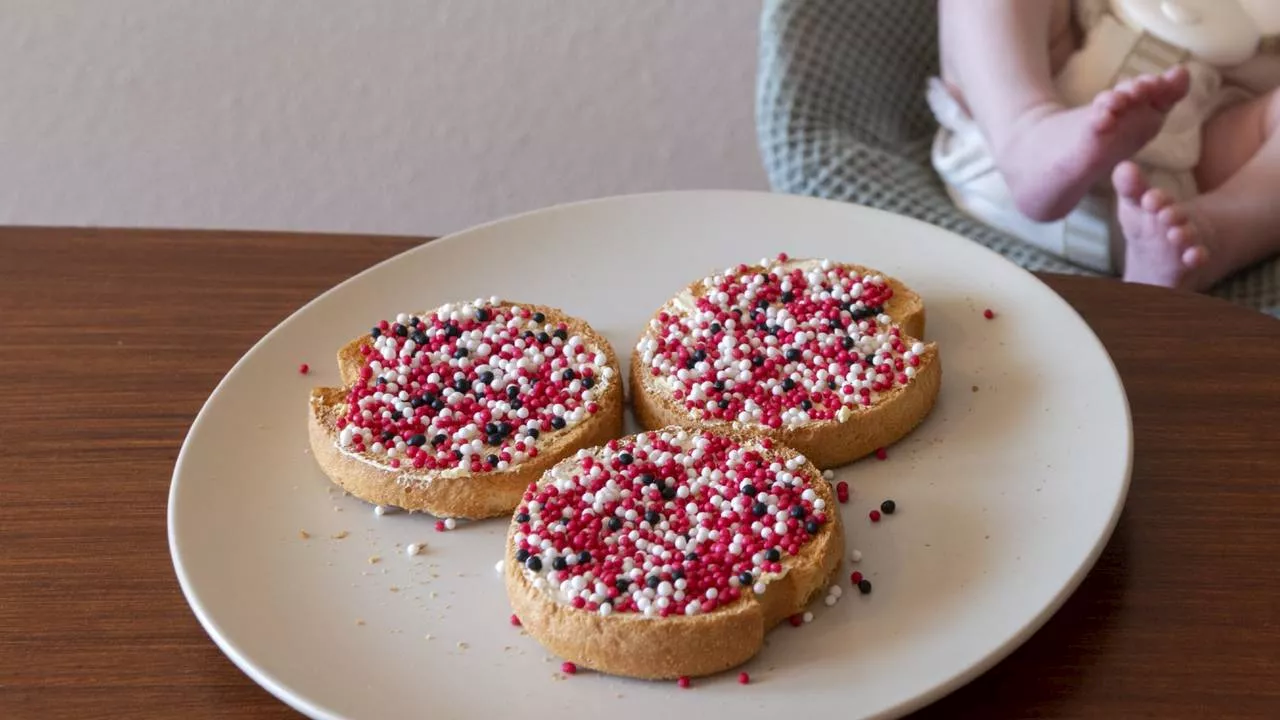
{"x": 668, "y": 522}
{"x": 782, "y": 345}
{"x": 468, "y": 389}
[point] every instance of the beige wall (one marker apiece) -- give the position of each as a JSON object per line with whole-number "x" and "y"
{"x": 388, "y": 116}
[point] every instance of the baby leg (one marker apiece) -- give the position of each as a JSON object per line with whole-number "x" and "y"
{"x": 997, "y": 53}
{"x": 1233, "y": 223}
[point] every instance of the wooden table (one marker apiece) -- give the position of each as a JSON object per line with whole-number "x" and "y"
{"x": 110, "y": 341}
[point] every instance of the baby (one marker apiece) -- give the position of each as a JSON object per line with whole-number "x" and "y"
{"x": 1042, "y": 102}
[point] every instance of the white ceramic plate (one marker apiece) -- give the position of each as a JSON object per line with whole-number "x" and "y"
{"x": 1006, "y": 494}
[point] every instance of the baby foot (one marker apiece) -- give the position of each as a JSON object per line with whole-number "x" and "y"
{"x": 1162, "y": 246}
{"x": 1071, "y": 151}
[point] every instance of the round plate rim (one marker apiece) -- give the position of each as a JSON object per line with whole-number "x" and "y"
{"x": 920, "y": 700}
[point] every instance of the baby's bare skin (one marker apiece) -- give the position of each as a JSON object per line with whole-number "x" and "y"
{"x": 999, "y": 58}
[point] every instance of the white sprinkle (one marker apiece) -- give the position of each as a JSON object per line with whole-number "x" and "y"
{"x": 831, "y": 600}
{"x": 855, "y": 556}
{"x": 416, "y": 549}
{"x": 450, "y": 523}
{"x": 835, "y": 590}
{"x": 808, "y": 617}
{"x": 379, "y": 510}
{"x": 828, "y": 475}
{"x": 759, "y": 588}
{"x": 497, "y": 567}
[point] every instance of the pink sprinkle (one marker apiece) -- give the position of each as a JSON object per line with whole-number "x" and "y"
{"x": 568, "y": 668}
{"x": 875, "y": 516}
{"x": 988, "y": 314}
{"x": 440, "y": 526}
{"x": 515, "y": 620}
{"x": 743, "y": 678}
{"x": 683, "y": 681}
{"x": 882, "y": 454}
{"x": 304, "y": 368}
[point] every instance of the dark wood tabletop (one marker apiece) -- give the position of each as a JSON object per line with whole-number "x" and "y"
{"x": 110, "y": 341}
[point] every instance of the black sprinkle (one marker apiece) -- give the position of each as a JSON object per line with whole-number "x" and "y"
{"x": 401, "y": 330}
{"x": 788, "y": 384}
{"x": 847, "y": 343}
{"x": 569, "y": 375}
{"x": 831, "y": 384}
{"x": 652, "y": 517}
{"x": 762, "y": 303}
{"x": 522, "y": 517}
{"x": 588, "y": 383}
{"x": 653, "y": 581}
{"x": 562, "y": 334}
{"x": 491, "y": 428}
{"x": 486, "y": 377}
{"x": 788, "y": 296}
{"x": 460, "y": 353}
{"x": 438, "y": 439}
{"x": 759, "y": 509}
{"x": 622, "y": 584}
{"x": 646, "y": 479}
{"x": 559, "y": 563}
{"x": 452, "y": 330}
{"x": 690, "y": 556}
{"x": 668, "y": 492}
{"x": 746, "y": 579}
{"x": 806, "y": 404}
{"x": 864, "y": 586}
{"x": 812, "y": 527}
{"x": 381, "y": 381}
{"x": 461, "y": 385}
{"x": 584, "y": 557}
{"x": 557, "y": 422}
{"x": 414, "y": 320}
{"x": 534, "y": 563}
{"x": 625, "y": 458}
{"x": 482, "y": 314}
{"x": 544, "y": 338}
{"x": 719, "y": 385}
{"x": 532, "y": 432}
{"x": 615, "y": 523}
{"x": 792, "y": 354}
{"x": 494, "y": 439}
{"x": 797, "y": 511}
{"x": 387, "y": 435}
{"x": 888, "y": 507}
{"x": 492, "y": 459}
{"x": 417, "y": 440}
{"x": 457, "y": 454}
{"x": 437, "y": 404}
{"x": 419, "y": 337}
{"x": 539, "y": 317}
{"x": 513, "y": 391}
{"x": 522, "y": 555}
{"x": 376, "y": 333}
{"x": 715, "y": 328}
{"x": 699, "y": 355}
{"x": 417, "y": 401}
{"x": 772, "y": 555}
{"x": 678, "y": 574}
{"x": 724, "y": 404}
{"x": 749, "y": 490}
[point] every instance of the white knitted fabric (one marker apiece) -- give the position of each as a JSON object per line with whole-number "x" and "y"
{"x": 841, "y": 114}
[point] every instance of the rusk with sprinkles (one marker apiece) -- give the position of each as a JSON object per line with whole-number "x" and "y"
{"x": 456, "y": 411}
{"x": 822, "y": 356}
{"x": 671, "y": 553}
